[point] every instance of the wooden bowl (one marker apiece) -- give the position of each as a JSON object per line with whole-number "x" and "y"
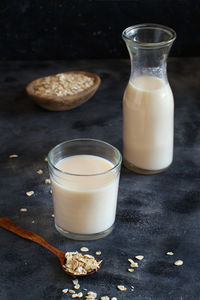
{"x": 58, "y": 103}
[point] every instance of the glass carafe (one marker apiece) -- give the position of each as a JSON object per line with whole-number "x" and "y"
{"x": 148, "y": 104}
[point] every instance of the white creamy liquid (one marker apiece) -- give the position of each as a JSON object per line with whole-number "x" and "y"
{"x": 85, "y": 204}
{"x": 148, "y": 122}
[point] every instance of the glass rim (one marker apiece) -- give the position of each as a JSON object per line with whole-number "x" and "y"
{"x": 85, "y": 175}
{"x": 167, "y": 29}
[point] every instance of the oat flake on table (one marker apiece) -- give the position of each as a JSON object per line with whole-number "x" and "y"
{"x": 30, "y": 193}
{"x": 65, "y": 291}
{"x": 39, "y": 171}
{"x": 139, "y": 257}
{"x": 179, "y": 262}
{"x": 170, "y": 253}
{"x": 84, "y": 249}
{"x": 23, "y": 209}
{"x": 122, "y": 288}
{"x": 47, "y": 181}
{"x": 13, "y": 156}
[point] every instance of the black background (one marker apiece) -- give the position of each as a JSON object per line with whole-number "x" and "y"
{"x": 62, "y": 29}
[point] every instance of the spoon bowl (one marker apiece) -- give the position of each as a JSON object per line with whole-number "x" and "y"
{"x": 29, "y": 235}
{"x": 59, "y": 103}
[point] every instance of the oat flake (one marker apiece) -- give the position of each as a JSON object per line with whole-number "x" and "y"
{"x": 84, "y": 249}
{"x": 23, "y": 209}
{"x": 131, "y": 270}
{"x": 13, "y": 156}
{"x": 47, "y": 181}
{"x": 79, "y": 295}
{"x": 30, "y": 193}
{"x": 75, "y": 281}
{"x": 139, "y": 257}
{"x": 77, "y": 286}
{"x": 122, "y": 288}
{"x": 178, "y": 262}
{"x": 91, "y": 295}
{"x": 40, "y": 171}
{"x": 170, "y": 253}
{"x": 65, "y": 291}
{"x": 134, "y": 265}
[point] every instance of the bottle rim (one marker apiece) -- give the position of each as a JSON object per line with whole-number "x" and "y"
{"x": 130, "y": 33}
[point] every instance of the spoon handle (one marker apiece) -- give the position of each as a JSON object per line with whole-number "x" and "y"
{"x": 26, "y": 234}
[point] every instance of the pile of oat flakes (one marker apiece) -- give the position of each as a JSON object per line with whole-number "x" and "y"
{"x": 63, "y": 84}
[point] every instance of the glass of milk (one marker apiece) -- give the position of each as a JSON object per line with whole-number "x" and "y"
{"x": 148, "y": 103}
{"x": 84, "y": 177}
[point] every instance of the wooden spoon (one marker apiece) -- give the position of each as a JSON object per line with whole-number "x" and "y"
{"x": 58, "y": 103}
{"x": 29, "y": 235}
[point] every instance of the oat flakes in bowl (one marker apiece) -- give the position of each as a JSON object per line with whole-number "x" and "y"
{"x": 63, "y": 91}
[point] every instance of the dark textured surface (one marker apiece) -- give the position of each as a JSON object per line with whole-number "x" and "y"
{"x": 64, "y": 29}
{"x": 155, "y": 214}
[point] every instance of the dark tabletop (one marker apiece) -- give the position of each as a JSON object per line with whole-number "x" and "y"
{"x": 155, "y": 214}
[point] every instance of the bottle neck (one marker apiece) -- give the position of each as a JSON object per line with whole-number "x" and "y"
{"x": 148, "y": 62}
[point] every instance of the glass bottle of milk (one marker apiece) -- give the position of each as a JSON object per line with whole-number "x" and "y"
{"x": 148, "y": 104}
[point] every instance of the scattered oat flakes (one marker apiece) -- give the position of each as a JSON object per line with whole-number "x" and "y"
{"x": 131, "y": 270}
{"x": 132, "y": 288}
{"x": 98, "y": 253}
{"x": 105, "y": 298}
{"x": 121, "y": 288}
{"x": 72, "y": 292}
{"x": 30, "y": 193}
{"x": 139, "y": 257}
{"x": 80, "y": 264}
{"x": 13, "y": 156}
{"x": 65, "y": 291}
{"x": 53, "y": 215}
{"x": 40, "y": 171}
{"x": 178, "y": 262}
{"x": 84, "y": 249}
{"x": 170, "y": 253}
{"x": 46, "y": 158}
{"x": 33, "y": 221}
{"x": 23, "y": 209}
{"x": 47, "y": 181}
